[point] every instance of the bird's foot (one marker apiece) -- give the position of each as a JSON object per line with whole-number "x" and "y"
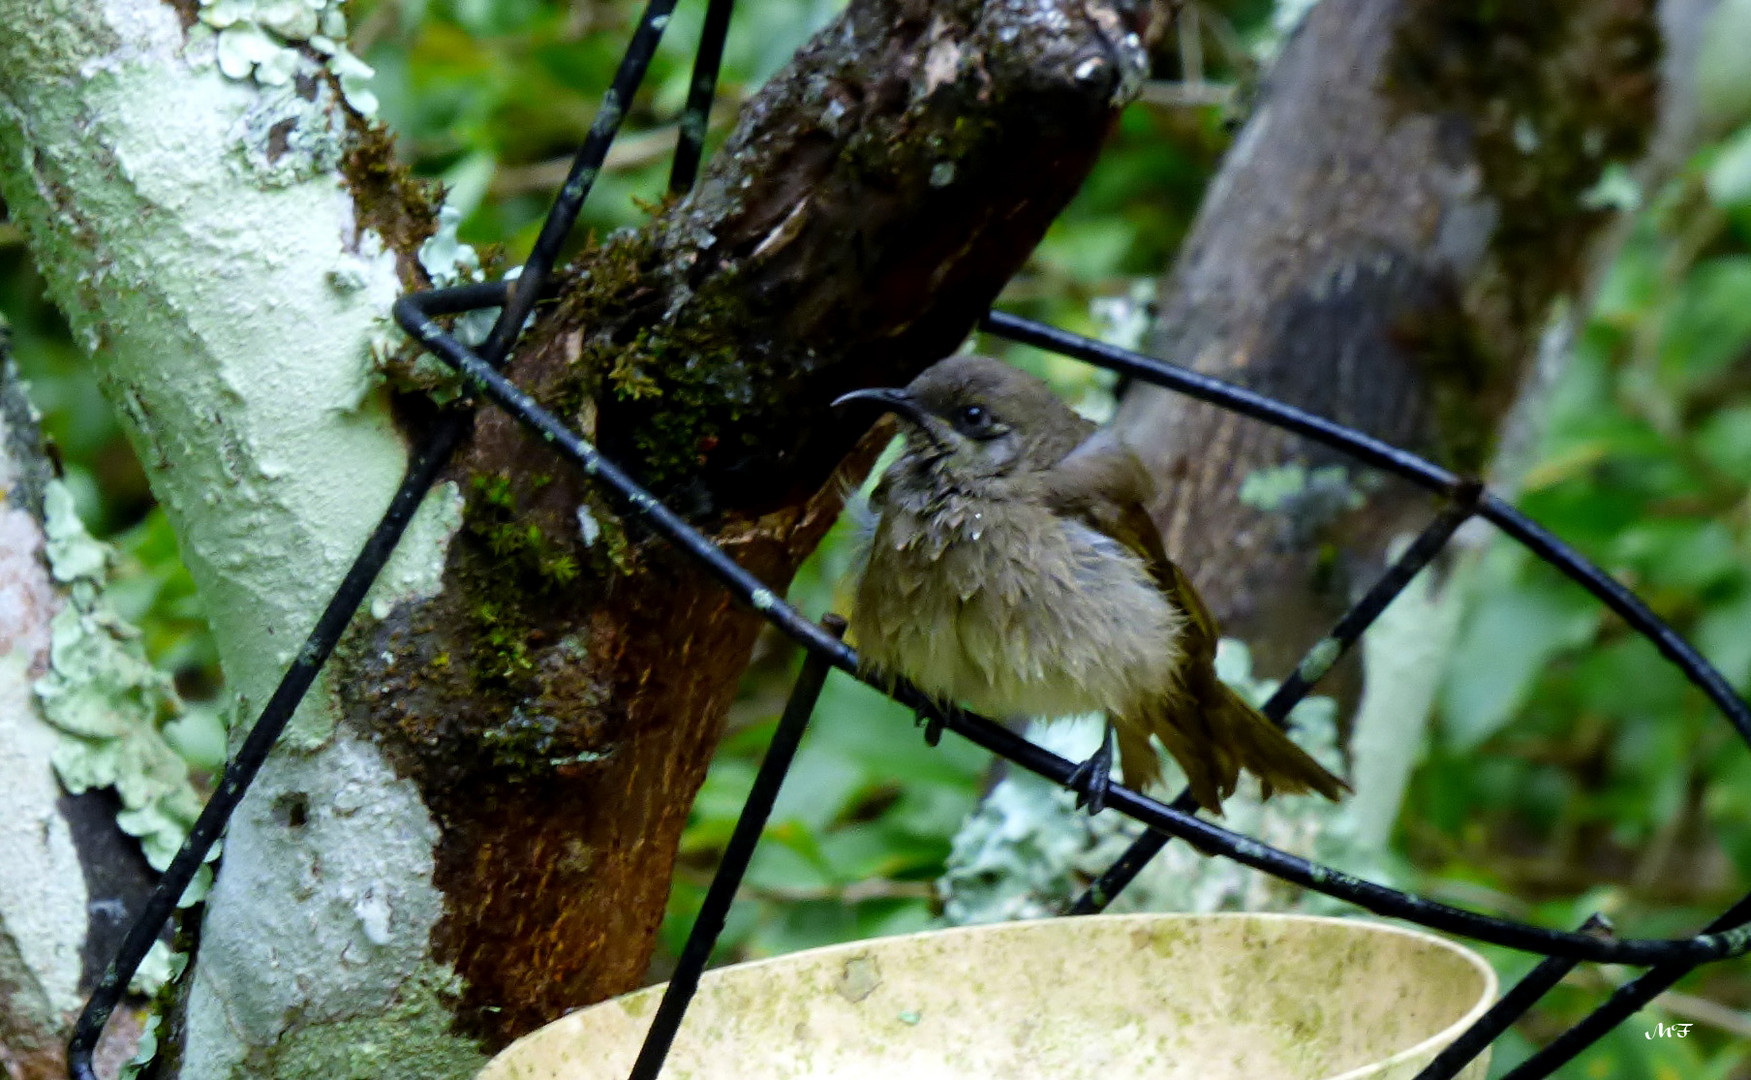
{"x": 1094, "y": 778}
{"x": 931, "y": 721}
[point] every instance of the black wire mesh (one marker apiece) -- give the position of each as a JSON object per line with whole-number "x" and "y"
{"x": 1667, "y": 960}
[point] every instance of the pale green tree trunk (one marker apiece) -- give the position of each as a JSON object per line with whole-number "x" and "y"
{"x": 198, "y": 230}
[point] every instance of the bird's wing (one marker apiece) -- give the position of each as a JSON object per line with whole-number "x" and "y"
{"x": 1102, "y": 483}
{"x": 1209, "y": 729}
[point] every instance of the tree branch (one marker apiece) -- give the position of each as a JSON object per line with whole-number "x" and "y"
{"x": 558, "y": 703}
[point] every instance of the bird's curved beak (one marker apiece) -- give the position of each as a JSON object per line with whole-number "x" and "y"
{"x": 890, "y": 400}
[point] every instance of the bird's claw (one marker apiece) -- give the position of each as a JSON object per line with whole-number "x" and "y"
{"x": 1093, "y": 779}
{"x": 932, "y": 724}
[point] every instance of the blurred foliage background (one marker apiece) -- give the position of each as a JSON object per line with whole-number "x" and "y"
{"x": 1571, "y": 771}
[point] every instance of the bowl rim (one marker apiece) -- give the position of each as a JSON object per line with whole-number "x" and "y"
{"x": 1486, "y": 998}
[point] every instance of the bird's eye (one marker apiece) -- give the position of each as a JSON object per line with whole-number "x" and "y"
{"x": 973, "y": 420}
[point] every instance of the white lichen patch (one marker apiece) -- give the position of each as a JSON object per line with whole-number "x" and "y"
{"x": 942, "y": 64}
{"x": 266, "y": 41}
{"x": 589, "y": 529}
{"x": 1616, "y": 189}
{"x": 1319, "y": 659}
{"x": 353, "y": 869}
{"x": 1308, "y": 500}
{"x": 291, "y": 134}
{"x": 374, "y": 913}
{"x": 106, "y": 699}
{"x": 445, "y": 257}
{"x": 161, "y": 965}
{"x": 416, "y": 570}
{"x": 449, "y": 261}
{"x": 43, "y": 899}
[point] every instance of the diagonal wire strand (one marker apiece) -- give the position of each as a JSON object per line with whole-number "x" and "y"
{"x": 696, "y": 115}
{"x": 1290, "y": 691}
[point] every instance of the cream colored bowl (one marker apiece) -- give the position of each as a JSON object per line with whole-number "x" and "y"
{"x": 1163, "y": 997}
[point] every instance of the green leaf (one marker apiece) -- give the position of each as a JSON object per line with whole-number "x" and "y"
{"x": 1679, "y": 553}
{"x": 1508, "y": 637}
{"x": 1723, "y": 633}
{"x": 1724, "y": 441}
{"x": 1727, "y": 804}
{"x": 1709, "y": 324}
{"x": 787, "y": 859}
{"x": 1729, "y": 178}
{"x": 1633, "y": 285}
{"x": 1629, "y": 679}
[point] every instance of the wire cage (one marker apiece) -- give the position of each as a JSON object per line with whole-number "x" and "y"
{"x": 1665, "y": 960}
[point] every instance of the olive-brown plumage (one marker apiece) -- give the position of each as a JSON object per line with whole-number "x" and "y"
{"x": 1014, "y": 569}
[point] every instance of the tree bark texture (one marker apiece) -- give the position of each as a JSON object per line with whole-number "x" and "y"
{"x": 72, "y": 879}
{"x": 559, "y": 702}
{"x": 1385, "y": 246}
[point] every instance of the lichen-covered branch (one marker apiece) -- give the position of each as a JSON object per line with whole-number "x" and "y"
{"x": 74, "y": 750}
{"x": 225, "y": 237}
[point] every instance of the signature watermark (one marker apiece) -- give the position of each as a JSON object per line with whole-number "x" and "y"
{"x": 1668, "y": 1031}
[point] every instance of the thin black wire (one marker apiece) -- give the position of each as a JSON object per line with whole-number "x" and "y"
{"x": 1512, "y": 1005}
{"x": 241, "y": 770}
{"x": 696, "y": 116}
{"x": 1291, "y": 690}
{"x": 585, "y": 168}
{"x": 708, "y": 925}
{"x": 998, "y": 739}
{"x": 424, "y": 467}
{"x": 1623, "y": 1003}
{"x": 1382, "y": 455}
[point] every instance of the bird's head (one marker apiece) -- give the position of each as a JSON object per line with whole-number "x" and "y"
{"x": 972, "y": 417}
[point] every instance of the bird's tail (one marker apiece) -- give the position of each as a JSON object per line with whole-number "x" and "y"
{"x": 1213, "y": 734}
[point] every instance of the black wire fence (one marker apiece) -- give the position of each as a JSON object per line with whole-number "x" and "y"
{"x": 1666, "y": 960}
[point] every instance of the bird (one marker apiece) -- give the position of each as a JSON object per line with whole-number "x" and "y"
{"x": 1013, "y": 568}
